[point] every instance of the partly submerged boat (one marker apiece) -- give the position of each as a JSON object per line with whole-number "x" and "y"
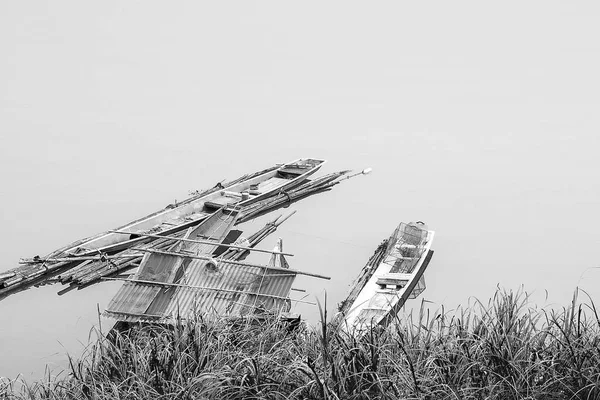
{"x": 393, "y": 275}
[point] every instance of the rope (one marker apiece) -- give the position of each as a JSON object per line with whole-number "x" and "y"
{"x": 286, "y": 194}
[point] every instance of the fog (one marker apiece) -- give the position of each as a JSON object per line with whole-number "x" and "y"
{"x": 481, "y": 121}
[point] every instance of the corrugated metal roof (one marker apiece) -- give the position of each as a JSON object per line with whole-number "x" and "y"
{"x": 234, "y": 289}
{"x": 176, "y": 285}
{"x": 228, "y": 289}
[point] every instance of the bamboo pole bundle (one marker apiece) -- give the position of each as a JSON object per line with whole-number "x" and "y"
{"x": 96, "y": 276}
{"x": 124, "y": 256}
{"x": 67, "y": 275}
{"x": 6, "y": 275}
{"x": 107, "y": 269}
{"x": 284, "y": 198}
{"x": 71, "y": 269}
{"x": 35, "y": 276}
{"x": 37, "y": 270}
{"x": 93, "y": 273}
{"x": 233, "y": 246}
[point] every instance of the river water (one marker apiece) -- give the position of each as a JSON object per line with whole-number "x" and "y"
{"x": 482, "y": 122}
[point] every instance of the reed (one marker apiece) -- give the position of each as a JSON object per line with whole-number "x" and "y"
{"x": 506, "y": 348}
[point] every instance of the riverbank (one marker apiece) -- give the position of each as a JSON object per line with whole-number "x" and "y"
{"x": 505, "y": 349}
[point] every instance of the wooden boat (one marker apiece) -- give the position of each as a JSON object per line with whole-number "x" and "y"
{"x": 188, "y": 279}
{"x": 393, "y": 275}
{"x": 241, "y": 192}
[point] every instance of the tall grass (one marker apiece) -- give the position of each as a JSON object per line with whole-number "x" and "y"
{"x": 504, "y": 349}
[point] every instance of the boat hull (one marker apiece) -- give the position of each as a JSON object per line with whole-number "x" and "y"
{"x": 396, "y": 278}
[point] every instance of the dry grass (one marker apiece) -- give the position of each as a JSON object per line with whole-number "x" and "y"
{"x": 506, "y": 349}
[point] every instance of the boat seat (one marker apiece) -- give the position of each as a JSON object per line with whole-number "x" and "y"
{"x": 293, "y": 170}
{"x": 388, "y": 281}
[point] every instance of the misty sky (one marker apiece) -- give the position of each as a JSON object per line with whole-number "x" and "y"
{"x": 482, "y": 121}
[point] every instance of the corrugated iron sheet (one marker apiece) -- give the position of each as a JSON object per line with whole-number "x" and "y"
{"x": 234, "y": 289}
{"x": 133, "y": 298}
{"x": 228, "y": 289}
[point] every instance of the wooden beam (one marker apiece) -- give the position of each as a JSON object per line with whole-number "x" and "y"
{"x": 208, "y": 242}
{"x": 136, "y": 314}
{"x": 75, "y": 258}
{"x": 245, "y": 264}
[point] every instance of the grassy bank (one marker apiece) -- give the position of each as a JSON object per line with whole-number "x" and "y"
{"x": 504, "y": 349}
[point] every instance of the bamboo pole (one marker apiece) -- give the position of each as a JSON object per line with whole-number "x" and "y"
{"x": 284, "y": 219}
{"x": 245, "y": 264}
{"x": 72, "y": 272}
{"x": 294, "y": 194}
{"x": 233, "y": 246}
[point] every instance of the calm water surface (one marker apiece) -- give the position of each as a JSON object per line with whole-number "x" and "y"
{"x": 489, "y": 134}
